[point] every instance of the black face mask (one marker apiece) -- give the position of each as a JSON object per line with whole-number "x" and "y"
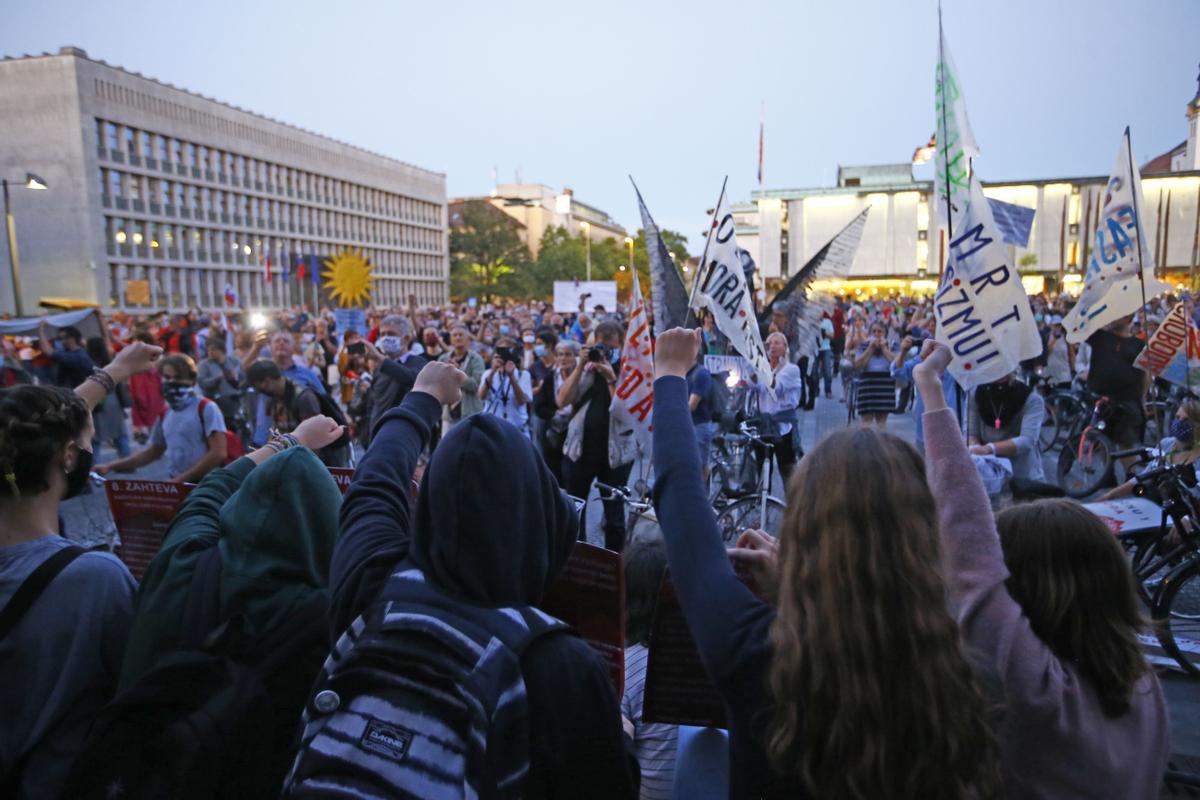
{"x": 77, "y": 476}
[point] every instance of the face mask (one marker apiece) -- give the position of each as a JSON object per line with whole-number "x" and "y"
{"x": 504, "y": 330}
{"x": 390, "y": 346}
{"x": 176, "y": 394}
{"x": 527, "y": 339}
{"x": 1182, "y": 431}
{"x": 539, "y": 350}
{"x": 77, "y": 476}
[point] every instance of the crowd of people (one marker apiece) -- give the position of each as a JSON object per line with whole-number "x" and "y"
{"x": 897, "y": 639}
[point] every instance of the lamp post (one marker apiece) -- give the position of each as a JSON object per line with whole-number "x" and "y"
{"x": 587, "y": 232}
{"x": 31, "y": 182}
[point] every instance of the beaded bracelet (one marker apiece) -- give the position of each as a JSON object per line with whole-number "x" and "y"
{"x": 104, "y": 380}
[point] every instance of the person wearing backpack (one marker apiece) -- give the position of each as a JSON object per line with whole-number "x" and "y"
{"x": 229, "y": 631}
{"x": 444, "y": 680}
{"x": 192, "y": 434}
{"x": 64, "y": 613}
{"x": 288, "y": 405}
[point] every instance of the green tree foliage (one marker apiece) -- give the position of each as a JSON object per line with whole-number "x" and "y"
{"x": 488, "y": 258}
{"x": 562, "y": 257}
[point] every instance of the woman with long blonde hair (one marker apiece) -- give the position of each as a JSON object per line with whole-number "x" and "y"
{"x": 852, "y": 683}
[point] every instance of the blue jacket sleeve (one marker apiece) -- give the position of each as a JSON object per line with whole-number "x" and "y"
{"x": 729, "y": 624}
{"x": 373, "y": 527}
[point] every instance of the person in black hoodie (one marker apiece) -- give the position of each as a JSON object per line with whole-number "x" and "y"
{"x": 491, "y": 528}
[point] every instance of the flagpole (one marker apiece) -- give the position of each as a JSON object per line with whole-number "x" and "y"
{"x": 1137, "y": 214}
{"x": 691, "y": 315}
{"x": 945, "y": 133}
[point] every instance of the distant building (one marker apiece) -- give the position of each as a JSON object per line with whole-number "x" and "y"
{"x": 901, "y": 248}
{"x": 160, "y": 198}
{"x": 539, "y": 208}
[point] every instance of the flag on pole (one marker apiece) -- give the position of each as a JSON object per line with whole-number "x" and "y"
{"x": 285, "y": 260}
{"x": 762, "y": 124}
{"x": 1173, "y": 352}
{"x": 267, "y": 266}
{"x": 231, "y": 296}
{"x": 634, "y": 396}
{"x": 316, "y": 268}
{"x": 982, "y": 310}
{"x": 925, "y": 153}
{"x": 300, "y": 268}
{"x": 667, "y": 292}
{"x": 1122, "y": 260}
{"x": 721, "y": 289}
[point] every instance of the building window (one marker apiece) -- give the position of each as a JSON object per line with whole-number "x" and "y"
{"x": 110, "y": 135}
{"x": 114, "y": 183}
{"x": 162, "y": 149}
{"x": 129, "y": 144}
{"x": 177, "y": 151}
{"x": 147, "y": 145}
{"x": 191, "y": 155}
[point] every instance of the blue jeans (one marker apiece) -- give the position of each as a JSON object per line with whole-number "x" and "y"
{"x": 825, "y": 367}
{"x": 705, "y": 431}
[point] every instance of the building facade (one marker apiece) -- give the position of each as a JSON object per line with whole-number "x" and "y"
{"x": 539, "y": 208}
{"x": 162, "y": 199}
{"x": 903, "y": 245}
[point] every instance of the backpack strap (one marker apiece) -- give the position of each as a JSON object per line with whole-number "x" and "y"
{"x": 33, "y": 586}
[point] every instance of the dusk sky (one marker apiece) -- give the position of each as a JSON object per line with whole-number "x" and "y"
{"x": 579, "y": 95}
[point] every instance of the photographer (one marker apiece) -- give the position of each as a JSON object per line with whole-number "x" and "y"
{"x": 505, "y": 389}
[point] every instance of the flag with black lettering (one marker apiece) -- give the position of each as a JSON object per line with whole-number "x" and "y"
{"x": 721, "y": 288}
{"x": 667, "y": 292}
{"x": 982, "y": 310}
{"x": 1113, "y": 283}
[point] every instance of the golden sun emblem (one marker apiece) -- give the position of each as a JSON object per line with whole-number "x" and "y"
{"x": 348, "y": 278}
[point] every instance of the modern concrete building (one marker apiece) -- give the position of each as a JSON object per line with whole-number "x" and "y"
{"x": 160, "y": 198}
{"x": 902, "y": 246}
{"x": 538, "y": 208}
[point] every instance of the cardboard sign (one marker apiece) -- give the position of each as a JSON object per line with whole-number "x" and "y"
{"x": 142, "y": 512}
{"x": 589, "y": 595}
{"x": 678, "y": 690}
{"x": 1128, "y": 515}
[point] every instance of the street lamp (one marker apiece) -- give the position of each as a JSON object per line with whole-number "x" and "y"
{"x": 587, "y": 232}
{"x": 629, "y": 242}
{"x": 31, "y": 182}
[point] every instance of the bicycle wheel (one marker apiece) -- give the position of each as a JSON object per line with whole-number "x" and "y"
{"x": 1178, "y": 614}
{"x": 1048, "y": 436}
{"x": 1084, "y": 469}
{"x": 746, "y": 513}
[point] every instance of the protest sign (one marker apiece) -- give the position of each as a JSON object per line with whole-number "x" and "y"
{"x": 735, "y": 365}
{"x": 350, "y": 319}
{"x": 342, "y": 476}
{"x": 982, "y": 310}
{"x": 721, "y": 288}
{"x": 678, "y": 690}
{"x": 569, "y": 294}
{"x": 1120, "y": 273}
{"x": 589, "y": 595}
{"x": 1128, "y": 514}
{"x": 633, "y": 399}
{"x": 1173, "y": 352}
{"x": 142, "y": 512}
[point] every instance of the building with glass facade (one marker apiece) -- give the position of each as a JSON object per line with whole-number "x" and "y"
{"x": 162, "y": 199}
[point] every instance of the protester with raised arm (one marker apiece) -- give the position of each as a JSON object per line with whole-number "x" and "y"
{"x": 1050, "y": 604}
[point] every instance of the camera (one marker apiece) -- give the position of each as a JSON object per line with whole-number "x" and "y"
{"x": 356, "y": 348}
{"x": 511, "y": 354}
{"x": 600, "y": 353}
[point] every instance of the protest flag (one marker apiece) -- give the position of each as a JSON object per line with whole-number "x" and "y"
{"x": 267, "y": 266}
{"x": 300, "y": 268}
{"x": 667, "y": 292}
{"x": 721, "y": 288}
{"x": 1120, "y": 274}
{"x": 924, "y": 153}
{"x": 231, "y": 296}
{"x": 634, "y": 394}
{"x": 1173, "y": 352}
{"x": 982, "y": 310}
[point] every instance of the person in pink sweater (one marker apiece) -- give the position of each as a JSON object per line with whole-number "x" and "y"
{"x": 1049, "y": 602}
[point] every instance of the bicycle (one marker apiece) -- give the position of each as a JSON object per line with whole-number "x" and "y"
{"x": 740, "y": 490}
{"x": 637, "y": 500}
{"x": 1063, "y": 408}
{"x": 1085, "y": 461}
{"x": 1166, "y": 559}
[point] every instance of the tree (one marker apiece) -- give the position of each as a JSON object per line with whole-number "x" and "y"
{"x": 488, "y": 258}
{"x": 563, "y": 257}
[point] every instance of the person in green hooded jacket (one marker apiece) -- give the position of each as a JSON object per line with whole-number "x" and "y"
{"x": 273, "y": 515}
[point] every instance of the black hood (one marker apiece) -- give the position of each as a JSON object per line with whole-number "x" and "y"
{"x": 492, "y": 526}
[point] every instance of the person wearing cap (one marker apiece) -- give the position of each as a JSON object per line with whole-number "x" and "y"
{"x": 1060, "y": 354}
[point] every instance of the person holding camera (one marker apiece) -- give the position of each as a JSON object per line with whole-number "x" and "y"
{"x": 462, "y": 356}
{"x": 505, "y": 389}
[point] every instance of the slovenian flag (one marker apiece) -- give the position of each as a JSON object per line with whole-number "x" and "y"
{"x": 267, "y": 266}
{"x": 231, "y": 295}
{"x": 300, "y": 268}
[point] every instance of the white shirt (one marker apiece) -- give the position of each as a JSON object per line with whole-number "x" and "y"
{"x": 788, "y": 383}
{"x": 502, "y": 399}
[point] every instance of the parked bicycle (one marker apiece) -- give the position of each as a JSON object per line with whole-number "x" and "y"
{"x": 1085, "y": 461}
{"x": 1166, "y": 559}
{"x": 743, "y": 471}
